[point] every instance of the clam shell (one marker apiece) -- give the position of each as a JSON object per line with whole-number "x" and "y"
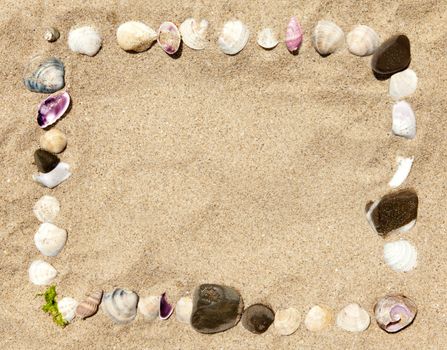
{"x": 53, "y": 141}
{"x": 41, "y": 273}
{"x": 353, "y": 318}
{"x": 194, "y": 33}
{"x": 67, "y": 307}
{"x": 166, "y": 309}
{"x": 233, "y": 38}
{"x": 287, "y": 321}
{"x": 400, "y": 255}
{"x": 318, "y": 318}
{"x": 394, "y": 312}
{"x": 403, "y": 84}
{"x": 183, "y": 310}
{"x": 52, "y": 108}
{"x": 56, "y": 176}
{"x": 362, "y": 41}
{"x": 84, "y": 40}
{"x": 404, "y": 120}
{"x": 44, "y": 74}
{"x": 135, "y": 36}
{"x": 89, "y": 306}
{"x": 404, "y": 165}
{"x": 46, "y": 209}
{"x": 294, "y": 35}
{"x": 169, "y": 37}
{"x": 149, "y": 307}
{"x": 51, "y": 34}
{"x": 327, "y": 37}
{"x": 120, "y": 305}
{"x": 267, "y": 39}
{"x": 50, "y": 239}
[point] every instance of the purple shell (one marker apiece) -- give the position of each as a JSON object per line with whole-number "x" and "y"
{"x": 166, "y": 309}
{"x": 294, "y": 35}
{"x": 52, "y": 108}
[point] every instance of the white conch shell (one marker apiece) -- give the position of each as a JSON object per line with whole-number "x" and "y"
{"x": 234, "y": 37}
{"x": 56, "y": 176}
{"x": 267, "y": 38}
{"x": 41, "y": 273}
{"x": 404, "y": 165}
{"x": 50, "y": 239}
{"x": 67, "y": 307}
{"x": 47, "y": 208}
{"x": 353, "y": 318}
{"x": 194, "y": 33}
{"x": 327, "y": 37}
{"x": 84, "y": 40}
{"x": 135, "y": 36}
{"x": 362, "y": 41}
{"x": 287, "y": 321}
{"x": 404, "y": 120}
{"x": 318, "y": 318}
{"x": 400, "y": 255}
{"x": 120, "y": 305}
{"x": 183, "y": 310}
{"x": 403, "y": 84}
{"x": 149, "y": 307}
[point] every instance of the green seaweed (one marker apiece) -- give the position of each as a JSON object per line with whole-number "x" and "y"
{"x": 50, "y": 306}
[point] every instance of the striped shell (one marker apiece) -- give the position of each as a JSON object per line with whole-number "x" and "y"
{"x": 89, "y": 306}
{"x": 44, "y": 75}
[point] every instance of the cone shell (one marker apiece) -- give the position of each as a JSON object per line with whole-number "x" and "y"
{"x": 149, "y": 307}
{"x": 327, "y": 37}
{"x": 404, "y": 120}
{"x": 318, "y": 318}
{"x": 85, "y": 40}
{"x": 41, "y": 273}
{"x": 46, "y": 209}
{"x": 353, "y": 318}
{"x": 183, "y": 310}
{"x": 287, "y": 321}
{"x": 362, "y": 41}
{"x": 294, "y": 35}
{"x": 89, "y": 306}
{"x": 67, "y": 307}
{"x": 44, "y": 75}
{"x": 403, "y": 84}
{"x": 50, "y": 239}
{"x": 135, "y": 36}
{"x": 394, "y": 312}
{"x": 120, "y": 305}
{"x": 169, "y": 37}
{"x": 53, "y": 141}
{"x": 194, "y": 33}
{"x": 233, "y": 38}
{"x": 400, "y": 255}
{"x": 56, "y": 176}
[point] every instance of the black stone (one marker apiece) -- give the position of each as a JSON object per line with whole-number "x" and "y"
{"x": 257, "y": 318}
{"x": 45, "y": 161}
{"x": 216, "y": 308}
{"x": 393, "y": 56}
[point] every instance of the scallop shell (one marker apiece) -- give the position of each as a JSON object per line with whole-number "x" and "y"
{"x": 267, "y": 38}
{"x": 56, "y": 176}
{"x": 403, "y": 84}
{"x": 318, "y": 318}
{"x": 89, "y": 306}
{"x": 395, "y": 312}
{"x": 50, "y": 239}
{"x": 294, "y": 35}
{"x": 149, "y": 307}
{"x": 44, "y": 74}
{"x": 234, "y": 37}
{"x": 327, "y": 37}
{"x": 84, "y": 40}
{"x": 51, "y": 34}
{"x": 67, "y": 307}
{"x": 41, "y": 273}
{"x": 52, "y": 108}
{"x": 183, "y": 310}
{"x": 404, "y": 165}
{"x": 362, "y": 41}
{"x": 46, "y": 209}
{"x": 194, "y": 33}
{"x": 53, "y": 141}
{"x": 169, "y": 37}
{"x": 400, "y": 255}
{"x": 287, "y": 321}
{"x": 404, "y": 120}
{"x": 135, "y": 36}
{"x": 353, "y": 318}
{"x": 120, "y": 305}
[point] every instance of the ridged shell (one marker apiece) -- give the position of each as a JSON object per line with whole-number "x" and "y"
{"x": 404, "y": 120}
{"x": 362, "y": 41}
{"x": 395, "y": 312}
{"x": 400, "y": 255}
{"x": 54, "y": 177}
{"x": 67, "y": 307}
{"x": 294, "y": 35}
{"x": 327, "y": 37}
{"x": 89, "y": 306}
{"x": 353, "y": 318}
{"x": 135, "y": 36}
{"x": 120, "y": 305}
{"x": 41, "y": 273}
{"x": 84, "y": 40}
{"x": 50, "y": 239}
{"x": 194, "y": 33}
{"x": 287, "y": 321}
{"x": 169, "y": 37}
{"x": 267, "y": 39}
{"x": 234, "y": 37}
{"x": 149, "y": 307}
{"x": 52, "y": 108}
{"x": 404, "y": 165}
{"x": 53, "y": 141}
{"x": 403, "y": 84}
{"x": 318, "y": 318}
{"x": 44, "y": 75}
{"x": 183, "y": 310}
{"x": 46, "y": 209}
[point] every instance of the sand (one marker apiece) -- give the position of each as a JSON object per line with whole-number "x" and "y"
{"x": 251, "y": 171}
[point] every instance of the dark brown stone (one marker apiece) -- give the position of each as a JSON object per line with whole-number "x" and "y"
{"x": 393, "y": 56}
{"x": 45, "y": 161}
{"x": 257, "y": 318}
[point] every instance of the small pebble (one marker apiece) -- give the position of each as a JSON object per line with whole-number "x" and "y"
{"x": 257, "y": 318}
{"x": 393, "y": 56}
{"x": 45, "y": 161}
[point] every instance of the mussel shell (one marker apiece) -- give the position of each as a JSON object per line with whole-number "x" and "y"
{"x": 44, "y": 75}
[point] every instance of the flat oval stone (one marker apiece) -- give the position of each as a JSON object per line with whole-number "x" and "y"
{"x": 393, "y": 56}
{"x": 257, "y": 318}
{"x": 216, "y": 308}
{"x": 45, "y": 161}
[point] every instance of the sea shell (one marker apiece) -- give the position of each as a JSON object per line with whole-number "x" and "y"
{"x": 84, "y": 40}
{"x": 395, "y": 312}
{"x": 56, "y": 176}
{"x": 120, "y": 305}
{"x": 135, "y": 36}
{"x": 67, "y": 307}
{"x": 234, "y": 37}
{"x": 362, "y": 41}
{"x": 46, "y": 209}
{"x": 257, "y": 318}
{"x": 89, "y": 306}
{"x": 287, "y": 321}
{"x": 53, "y": 141}
{"x": 194, "y": 33}
{"x": 327, "y": 37}
{"x": 52, "y": 108}
{"x": 403, "y": 84}
{"x": 404, "y": 165}
{"x": 294, "y": 35}
{"x": 267, "y": 38}
{"x": 404, "y": 120}
{"x": 318, "y": 318}
{"x": 400, "y": 255}
{"x": 45, "y": 161}
{"x": 166, "y": 309}
{"x": 353, "y": 318}
{"x": 44, "y": 74}
{"x": 51, "y": 34}
{"x": 41, "y": 273}
{"x": 183, "y": 310}
{"x": 169, "y": 37}
{"x": 50, "y": 239}
{"x": 149, "y": 307}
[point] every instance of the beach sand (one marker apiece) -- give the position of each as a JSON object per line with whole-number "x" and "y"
{"x": 251, "y": 171}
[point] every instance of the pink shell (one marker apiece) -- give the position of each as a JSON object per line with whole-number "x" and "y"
{"x": 166, "y": 308}
{"x": 294, "y": 35}
{"x": 52, "y": 108}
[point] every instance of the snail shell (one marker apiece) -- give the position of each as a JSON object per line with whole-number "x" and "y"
{"x": 394, "y": 312}
{"x": 120, "y": 305}
{"x": 89, "y": 306}
{"x": 44, "y": 75}
{"x": 234, "y": 37}
{"x": 46, "y": 209}
{"x": 400, "y": 255}
{"x": 53, "y": 141}
{"x": 318, "y": 318}
{"x": 287, "y": 321}
{"x": 194, "y": 33}
{"x": 135, "y": 36}
{"x": 183, "y": 310}
{"x": 353, "y": 318}
{"x": 50, "y": 239}
{"x": 84, "y": 40}
{"x": 67, "y": 307}
{"x": 362, "y": 41}
{"x": 41, "y": 273}
{"x": 327, "y": 37}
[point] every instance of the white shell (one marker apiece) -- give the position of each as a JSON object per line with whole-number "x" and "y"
{"x": 403, "y": 84}
{"x": 41, "y": 273}
{"x": 400, "y": 255}
{"x": 149, "y": 307}
{"x": 183, "y": 310}
{"x": 46, "y": 209}
{"x": 318, "y": 318}
{"x": 404, "y": 120}
{"x": 56, "y": 176}
{"x": 50, "y": 239}
{"x": 327, "y": 37}
{"x": 404, "y": 165}
{"x": 362, "y": 41}
{"x": 135, "y": 36}
{"x": 120, "y": 305}
{"x": 287, "y": 321}
{"x": 194, "y": 33}
{"x": 267, "y": 38}
{"x": 234, "y": 37}
{"x": 67, "y": 307}
{"x": 353, "y": 318}
{"x": 84, "y": 40}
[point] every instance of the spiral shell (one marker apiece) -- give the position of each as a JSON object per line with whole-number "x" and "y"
{"x": 120, "y": 305}
{"x": 400, "y": 255}
{"x": 44, "y": 75}
{"x": 327, "y": 37}
{"x": 194, "y": 33}
{"x": 85, "y": 40}
{"x": 41, "y": 273}
{"x": 287, "y": 321}
{"x": 362, "y": 41}
{"x": 89, "y": 306}
{"x": 394, "y": 312}
{"x": 46, "y": 209}
{"x": 234, "y": 37}
{"x": 318, "y": 318}
{"x": 135, "y": 36}
{"x": 353, "y": 318}
{"x": 67, "y": 307}
{"x": 50, "y": 239}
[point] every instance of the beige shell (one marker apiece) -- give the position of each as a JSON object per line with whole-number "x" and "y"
{"x": 67, "y": 307}
{"x": 362, "y": 41}
{"x": 84, "y": 40}
{"x": 50, "y": 239}
{"x": 149, "y": 307}
{"x": 89, "y": 306}
{"x": 327, "y": 37}
{"x": 183, "y": 310}
{"x": 287, "y": 321}
{"x": 353, "y": 318}
{"x": 46, "y": 209}
{"x": 135, "y": 36}
{"x": 194, "y": 33}
{"x": 233, "y": 38}
{"x": 53, "y": 141}
{"x": 318, "y": 318}
{"x": 400, "y": 255}
{"x": 41, "y": 273}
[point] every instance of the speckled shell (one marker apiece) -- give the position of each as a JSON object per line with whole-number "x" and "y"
{"x": 362, "y": 41}
{"x": 169, "y": 38}
{"x": 46, "y": 209}
{"x": 327, "y": 37}
{"x": 50, "y": 239}
{"x": 41, "y": 273}
{"x": 89, "y": 306}
{"x": 67, "y": 307}
{"x": 85, "y": 40}
{"x": 194, "y": 33}
{"x": 44, "y": 75}
{"x": 120, "y": 305}
{"x": 233, "y": 38}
